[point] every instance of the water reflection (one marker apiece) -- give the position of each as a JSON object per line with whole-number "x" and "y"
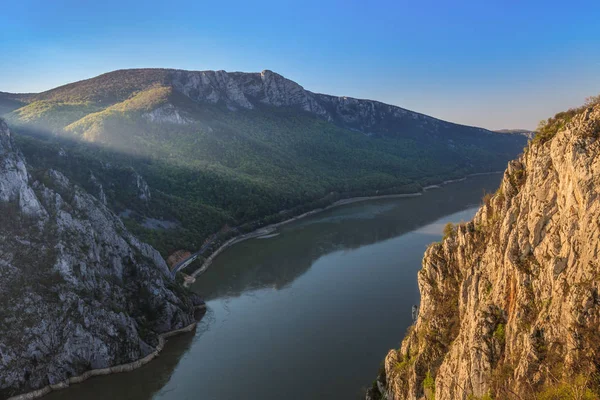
{"x": 277, "y": 261}
{"x": 307, "y": 314}
{"x": 141, "y": 383}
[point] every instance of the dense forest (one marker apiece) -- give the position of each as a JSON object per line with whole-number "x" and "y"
{"x": 210, "y": 166}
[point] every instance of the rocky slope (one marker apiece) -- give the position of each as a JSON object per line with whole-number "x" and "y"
{"x": 78, "y": 291}
{"x": 509, "y": 301}
{"x": 250, "y": 90}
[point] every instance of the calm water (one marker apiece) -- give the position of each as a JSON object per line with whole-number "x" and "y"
{"x": 307, "y": 314}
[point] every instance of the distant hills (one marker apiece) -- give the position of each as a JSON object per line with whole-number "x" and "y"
{"x": 217, "y": 149}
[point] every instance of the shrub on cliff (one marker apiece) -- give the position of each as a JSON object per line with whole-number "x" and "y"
{"x": 449, "y": 230}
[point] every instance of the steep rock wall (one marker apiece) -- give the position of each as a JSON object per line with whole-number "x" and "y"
{"x": 78, "y": 291}
{"x": 509, "y": 301}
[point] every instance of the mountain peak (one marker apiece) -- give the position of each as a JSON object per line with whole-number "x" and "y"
{"x": 242, "y": 90}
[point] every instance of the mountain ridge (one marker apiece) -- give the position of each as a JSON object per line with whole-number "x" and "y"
{"x": 233, "y": 88}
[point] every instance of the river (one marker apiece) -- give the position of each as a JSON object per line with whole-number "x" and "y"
{"x": 307, "y": 314}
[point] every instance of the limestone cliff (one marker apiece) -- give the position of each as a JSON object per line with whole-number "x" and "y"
{"x": 509, "y": 301}
{"x": 77, "y": 290}
{"x": 250, "y": 90}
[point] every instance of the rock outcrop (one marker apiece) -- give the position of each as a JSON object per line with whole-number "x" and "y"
{"x": 77, "y": 290}
{"x": 250, "y": 90}
{"x": 509, "y": 301}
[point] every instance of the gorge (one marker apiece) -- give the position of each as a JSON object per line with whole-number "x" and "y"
{"x": 295, "y": 315}
{"x": 181, "y": 158}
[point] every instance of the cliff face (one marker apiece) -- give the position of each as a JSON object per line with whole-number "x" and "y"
{"x": 250, "y": 90}
{"x": 77, "y": 291}
{"x": 509, "y": 301}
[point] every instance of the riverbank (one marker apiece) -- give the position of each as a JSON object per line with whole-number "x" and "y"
{"x": 322, "y": 274}
{"x": 270, "y": 229}
{"x": 35, "y": 394}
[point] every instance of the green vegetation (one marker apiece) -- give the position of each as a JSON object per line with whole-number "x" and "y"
{"x": 449, "y": 230}
{"x": 374, "y": 391}
{"x": 429, "y": 386}
{"x": 500, "y": 334}
{"x": 9, "y": 102}
{"x": 50, "y": 116}
{"x": 548, "y": 128}
{"x": 486, "y": 396}
{"x": 209, "y": 168}
{"x": 578, "y": 388}
{"x": 402, "y": 366}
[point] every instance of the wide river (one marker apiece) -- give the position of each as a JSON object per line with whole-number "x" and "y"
{"x": 307, "y": 314}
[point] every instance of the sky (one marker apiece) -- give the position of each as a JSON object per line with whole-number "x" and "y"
{"x": 494, "y": 64}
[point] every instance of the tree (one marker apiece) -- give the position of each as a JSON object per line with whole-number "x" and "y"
{"x": 592, "y": 100}
{"x": 449, "y": 230}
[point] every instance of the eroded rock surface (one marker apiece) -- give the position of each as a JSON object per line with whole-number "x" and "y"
{"x": 241, "y": 90}
{"x": 77, "y": 290}
{"x": 509, "y": 301}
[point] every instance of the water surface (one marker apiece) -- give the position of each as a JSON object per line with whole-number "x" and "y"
{"x": 307, "y": 314}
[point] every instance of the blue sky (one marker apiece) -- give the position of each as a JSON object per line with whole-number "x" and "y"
{"x": 496, "y": 64}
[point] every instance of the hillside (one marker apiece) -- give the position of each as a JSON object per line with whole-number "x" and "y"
{"x": 78, "y": 291}
{"x": 235, "y": 90}
{"x": 509, "y": 301}
{"x": 218, "y": 149}
{"x": 10, "y": 102}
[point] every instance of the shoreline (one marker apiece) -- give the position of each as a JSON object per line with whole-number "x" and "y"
{"x": 116, "y": 369}
{"x": 270, "y": 229}
{"x": 267, "y": 230}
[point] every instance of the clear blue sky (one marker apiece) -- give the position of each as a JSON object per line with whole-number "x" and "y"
{"x": 496, "y": 64}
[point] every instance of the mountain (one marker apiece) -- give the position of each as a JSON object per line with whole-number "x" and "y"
{"x": 160, "y": 92}
{"x": 217, "y": 149}
{"x": 509, "y": 301}
{"x": 78, "y": 291}
{"x": 10, "y": 102}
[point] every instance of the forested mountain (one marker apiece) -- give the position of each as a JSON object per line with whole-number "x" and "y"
{"x": 182, "y": 154}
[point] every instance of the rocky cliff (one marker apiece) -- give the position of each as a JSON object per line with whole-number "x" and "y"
{"x": 77, "y": 290}
{"x": 509, "y": 301}
{"x": 251, "y": 90}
